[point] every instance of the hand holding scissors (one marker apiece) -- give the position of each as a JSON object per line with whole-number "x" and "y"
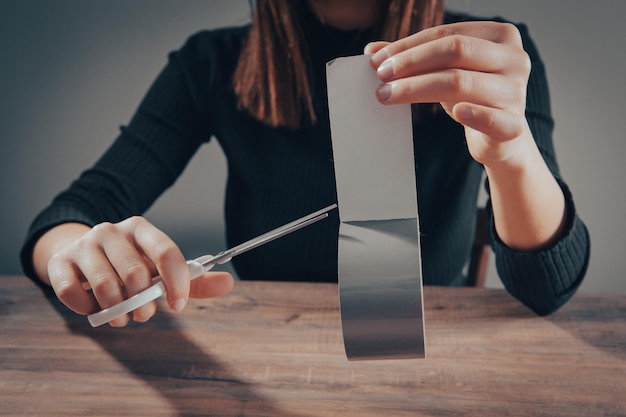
{"x": 203, "y": 264}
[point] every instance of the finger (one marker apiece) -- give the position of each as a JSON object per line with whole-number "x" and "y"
{"x": 67, "y": 282}
{"x": 373, "y": 47}
{"x": 497, "y": 124}
{"x": 455, "y": 52}
{"x": 103, "y": 280}
{"x": 491, "y": 31}
{"x": 167, "y": 257}
{"x": 211, "y": 284}
{"x": 132, "y": 268}
{"x": 454, "y": 86}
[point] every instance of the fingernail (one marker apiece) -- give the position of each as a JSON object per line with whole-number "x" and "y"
{"x": 179, "y": 304}
{"x": 383, "y": 93}
{"x": 385, "y": 71}
{"x": 379, "y": 57}
{"x": 465, "y": 114}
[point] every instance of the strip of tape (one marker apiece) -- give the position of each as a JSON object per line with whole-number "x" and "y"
{"x": 380, "y": 278}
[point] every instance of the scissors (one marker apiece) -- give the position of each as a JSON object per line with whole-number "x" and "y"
{"x": 200, "y": 265}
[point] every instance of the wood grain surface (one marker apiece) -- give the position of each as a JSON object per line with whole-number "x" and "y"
{"x": 276, "y": 349}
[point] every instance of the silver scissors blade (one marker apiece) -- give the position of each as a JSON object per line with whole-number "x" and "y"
{"x": 281, "y": 231}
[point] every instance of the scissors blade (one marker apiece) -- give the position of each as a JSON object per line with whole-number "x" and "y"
{"x": 267, "y": 237}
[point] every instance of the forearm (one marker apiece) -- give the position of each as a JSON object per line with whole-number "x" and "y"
{"x": 527, "y": 201}
{"x": 51, "y": 241}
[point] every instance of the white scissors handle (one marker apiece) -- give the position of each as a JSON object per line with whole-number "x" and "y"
{"x": 199, "y": 266}
{"x": 151, "y": 293}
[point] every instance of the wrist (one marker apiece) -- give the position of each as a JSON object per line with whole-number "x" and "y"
{"x": 527, "y": 202}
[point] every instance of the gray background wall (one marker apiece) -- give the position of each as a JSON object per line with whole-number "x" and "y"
{"x": 73, "y": 71}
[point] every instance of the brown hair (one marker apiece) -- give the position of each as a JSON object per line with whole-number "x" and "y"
{"x": 271, "y": 80}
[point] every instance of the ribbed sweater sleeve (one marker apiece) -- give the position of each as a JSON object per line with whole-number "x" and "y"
{"x": 544, "y": 280}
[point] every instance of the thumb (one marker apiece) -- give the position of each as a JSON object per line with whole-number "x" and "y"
{"x": 211, "y": 284}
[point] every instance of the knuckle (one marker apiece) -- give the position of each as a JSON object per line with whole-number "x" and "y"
{"x": 458, "y": 47}
{"x": 95, "y": 237}
{"x": 61, "y": 277}
{"x": 518, "y": 88}
{"x": 509, "y": 29}
{"x": 56, "y": 263}
{"x": 525, "y": 63}
{"x": 102, "y": 229}
{"x": 132, "y": 223}
{"x": 135, "y": 273}
{"x": 461, "y": 81}
{"x": 85, "y": 247}
{"x": 60, "y": 269}
{"x": 508, "y": 32}
{"x": 135, "y": 220}
{"x": 402, "y": 61}
{"x": 104, "y": 283}
{"x": 63, "y": 290}
{"x": 165, "y": 252}
{"x": 444, "y": 31}
{"x": 396, "y": 47}
{"x": 135, "y": 269}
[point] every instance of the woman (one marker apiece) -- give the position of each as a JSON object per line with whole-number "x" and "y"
{"x": 260, "y": 91}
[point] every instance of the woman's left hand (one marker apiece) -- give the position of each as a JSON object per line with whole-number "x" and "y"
{"x": 478, "y": 71}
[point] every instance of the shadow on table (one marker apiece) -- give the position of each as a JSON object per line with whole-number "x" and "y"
{"x": 596, "y": 320}
{"x": 160, "y": 354}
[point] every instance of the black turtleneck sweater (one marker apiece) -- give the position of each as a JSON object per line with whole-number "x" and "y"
{"x": 277, "y": 175}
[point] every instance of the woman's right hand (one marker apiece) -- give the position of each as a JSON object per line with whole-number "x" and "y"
{"x": 117, "y": 261}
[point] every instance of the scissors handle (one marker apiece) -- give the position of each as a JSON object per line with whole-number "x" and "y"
{"x": 151, "y": 293}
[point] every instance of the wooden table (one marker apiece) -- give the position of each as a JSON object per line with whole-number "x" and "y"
{"x": 275, "y": 349}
